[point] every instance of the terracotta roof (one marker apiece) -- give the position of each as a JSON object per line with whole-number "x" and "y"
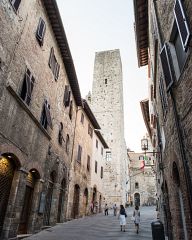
{"x": 141, "y": 31}
{"x": 60, "y": 36}
{"x": 145, "y": 111}
{"x": 90, "y": 114}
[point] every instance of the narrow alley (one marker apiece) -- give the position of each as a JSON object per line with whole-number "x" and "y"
{"x": 100, "y": 227}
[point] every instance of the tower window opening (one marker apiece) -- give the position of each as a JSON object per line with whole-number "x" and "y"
{"x": 105, "y": 80}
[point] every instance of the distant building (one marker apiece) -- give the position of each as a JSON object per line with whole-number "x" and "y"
{"x": 107, "y": 105}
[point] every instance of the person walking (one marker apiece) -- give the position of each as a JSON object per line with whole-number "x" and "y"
{"x": 122, "y": 217}
{"x": 136, "y": 215}
{"x": 115, "y": 209}
{"x": 106, "y": 209}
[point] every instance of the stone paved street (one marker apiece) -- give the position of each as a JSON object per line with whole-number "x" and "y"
{"x": 100, "y": 227}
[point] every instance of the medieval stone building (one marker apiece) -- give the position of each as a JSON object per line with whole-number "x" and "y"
{"x": 163, "y": 39}
{"x": 107, "y": 105}
{"x": 39, "y": 105}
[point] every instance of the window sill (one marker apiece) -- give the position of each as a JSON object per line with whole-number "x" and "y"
{"x": 27, "y": 110}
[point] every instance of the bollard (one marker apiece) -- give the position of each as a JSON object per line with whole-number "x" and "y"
{"x": 157, "y": 230}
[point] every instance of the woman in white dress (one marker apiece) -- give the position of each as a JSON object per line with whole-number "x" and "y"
{"x": 136, "y": 215}
{"x": 122, "y": 216}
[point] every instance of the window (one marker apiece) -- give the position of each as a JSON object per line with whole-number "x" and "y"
{"x": 46, "y": 116}
{"x": 60, "y": 136}
{"x": 96, "y": 143}
{"x": 101, "y": 151}
{"x": 108, "y": 156}
{"x": 101, "y": 172}
{"x": 53, "y": 64}
{"x": 163, "y": 97}
{"x": 79, "y": 154}
{"x": 27, "y": 87}
{"x": 82, "y": 118}
{"x": 40, "y": 33}
{"x": 166, "y": 66}
{"x": 67, "y": 144}
{"x": 67, "y": 94}
{"x": 71, "y": 109}
{"x": 136, "y": 185}
{"x": 182, "y": 23}
{"x": 141, "y": 157}
{"x": 88, "y": 163}
{"x": 15, "y": 4}
{"x": 95, "y": 166}
{"x": 90, "y": 130}
{"x": 105, "y": 80}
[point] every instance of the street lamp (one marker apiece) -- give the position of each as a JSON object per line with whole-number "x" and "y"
{"x": 144, "y": 144}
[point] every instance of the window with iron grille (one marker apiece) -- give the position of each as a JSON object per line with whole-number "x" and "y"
{"x": 53, "y": 64}
{"x": 88, "y": 163}
{"x": 46, "y": 116}
{"x": 79, "y": 154}
{"x": 27, "y": 87}
{"x": 95, "y": 166}
{"x": 90, "y": 130}
{"x": 40, "y": 33}
{"x": 15, "y": 4}
{"x": 101, "y": 172}
{"x": 67, "y": 95}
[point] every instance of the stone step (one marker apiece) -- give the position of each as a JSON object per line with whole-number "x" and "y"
{"x": 21, "y": 236}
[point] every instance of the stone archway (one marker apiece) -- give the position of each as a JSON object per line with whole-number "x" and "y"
{"x": 31, "y": 182}
{"x": 61, "y": 200}
{"x": 7, "y": 170}
{"x": 85, "y": 201}
{"x": 137, "y": 199}
{"x": 76, "y": 197}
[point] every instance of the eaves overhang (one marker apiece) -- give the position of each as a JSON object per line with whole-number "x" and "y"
{"x": 90, "y": 114}
{"x": 60, "y": 36}
{"x": 100, "y": 136}
{"x": 141, "y": 31}
{"x": 146, "y": 117}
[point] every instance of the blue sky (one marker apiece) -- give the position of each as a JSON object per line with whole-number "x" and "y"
{"x": 98, "y": 25}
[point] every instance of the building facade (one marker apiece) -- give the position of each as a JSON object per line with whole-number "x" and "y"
{"x": 39, "y": 95}
{"x": 163, "y": 39}
{"x": 107, "y": 105}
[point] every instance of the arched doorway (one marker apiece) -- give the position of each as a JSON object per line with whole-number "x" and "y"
{"x": 137, "y": 199}
{"x": 7, "y": 169}
{"x": 85, "y": 200}
{"x": 48, "y": 199}
{"x": 31, "y": 180}
{"x": 61, "y": 200}
{"x": 94, "y": 199}
{"x": 75, "y": 210}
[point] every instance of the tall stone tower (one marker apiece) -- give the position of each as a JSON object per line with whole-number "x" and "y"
{"x": 107, "y": 105}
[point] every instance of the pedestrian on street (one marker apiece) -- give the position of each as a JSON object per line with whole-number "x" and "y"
{"x": 115, "y": 209}
{"x": 136, "y": 215}
{"x": 106, "y": 209}
{"x": 122, "y": 217}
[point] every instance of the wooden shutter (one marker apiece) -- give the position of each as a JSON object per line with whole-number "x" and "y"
{"x": 182, "y": 23}
{"x": 28, "y": 88}
{"x": 51, "y": 57}
{"x": 79, "y": 153}
{"x": 88, "y": 163}
{"x": 15, "y": 4}
{"x": 95, "y": 166}
{"x": 66, "y": 99}
{"x": 41, "y": 31}
{"x": 166, "y": 66}
{"x": 48, "y": 115}
{"x": 56, "y": 71}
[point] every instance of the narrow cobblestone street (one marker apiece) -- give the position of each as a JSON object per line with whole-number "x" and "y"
{"x": 100, "y": 227}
